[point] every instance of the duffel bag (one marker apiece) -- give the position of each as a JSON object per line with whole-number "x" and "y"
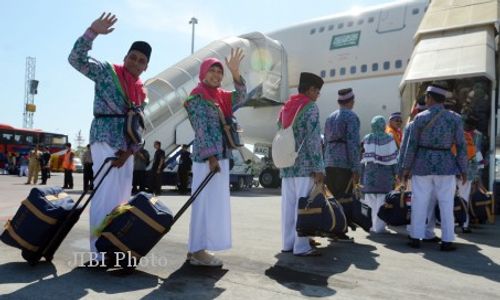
{"x": 459, "y": 210}
{"x": 396, "y": 210}
{"x": 37, "y": 219}
{"x": 481, "y": 203}
{"x": 320, "y": 214}
{"x": 133, "y": 229}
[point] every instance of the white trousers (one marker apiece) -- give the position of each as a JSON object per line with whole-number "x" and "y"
{"x": 114, "y": 190}
{"x": 423, "y": 189}
{"x": 292, "y": 188}
{"x": 23, "y": 171}
{"x": 375, "y": 201}
{"x": 210, "y": 227}
{"x": 464, "y": 192}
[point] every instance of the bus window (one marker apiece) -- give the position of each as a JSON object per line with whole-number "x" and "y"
{"x": 17, "y": 138}
{"x": 29, "y": 139}
{"x": 7, "y": 137}
{"x": 59, "y": 140}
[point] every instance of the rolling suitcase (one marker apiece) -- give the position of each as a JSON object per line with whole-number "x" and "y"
{"x": 44, "y": 220}
{"x": 133, "y": 229}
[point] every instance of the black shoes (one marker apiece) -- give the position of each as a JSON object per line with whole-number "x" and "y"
{"x": 432, "y": 240}
{"x": 447, "y": 247}
{"x": 466, "y": 230}
{"x": 414, "y": 243}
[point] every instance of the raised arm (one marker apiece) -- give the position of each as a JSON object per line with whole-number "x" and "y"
{"x": 233, "y": 64}
{"x": 79, "y": 57}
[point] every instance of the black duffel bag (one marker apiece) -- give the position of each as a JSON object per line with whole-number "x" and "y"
{"x": 320, "y": 214}
{"x": 396, "y": 210}
{"x": 459, "y": 210}
{"x": 481, "y": 204}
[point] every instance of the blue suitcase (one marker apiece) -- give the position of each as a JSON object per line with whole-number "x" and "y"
{"x": 43, "y": 221}
{"x": 130, "y": 231}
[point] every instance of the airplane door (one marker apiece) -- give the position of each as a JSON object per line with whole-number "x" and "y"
{"x": 392, "y": 19}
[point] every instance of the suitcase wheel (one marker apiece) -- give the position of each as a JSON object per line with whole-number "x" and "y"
{"x": 30, "y": 257}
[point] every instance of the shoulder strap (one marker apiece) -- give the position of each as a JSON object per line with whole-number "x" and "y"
{"x": 301, "y": 144}
{"x": 118, "y": 85}
{"x": 432, "y": 121}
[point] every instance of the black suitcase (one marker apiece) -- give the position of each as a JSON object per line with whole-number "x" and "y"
{"x": 40, "y": 225}
{"x": 361, "y": 214}
{"x": 136, "y": 227}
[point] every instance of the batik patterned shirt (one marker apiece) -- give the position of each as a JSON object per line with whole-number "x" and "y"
{"x": 342, "y": 141}
{"x": 306, "y": 130}
{"x": 205, "y": 120}
{"x": 429, "y": 147}
{"x": 107, "y": 99}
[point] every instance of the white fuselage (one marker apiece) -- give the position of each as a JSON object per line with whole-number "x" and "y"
{"x": 367, "y": 52}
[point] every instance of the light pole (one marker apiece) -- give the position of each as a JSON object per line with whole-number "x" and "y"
{"x": 193, "y": 21}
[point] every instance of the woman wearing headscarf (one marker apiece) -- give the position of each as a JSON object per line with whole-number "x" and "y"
{"x": 379, "y": 162}
{"x": 210, "y": 227}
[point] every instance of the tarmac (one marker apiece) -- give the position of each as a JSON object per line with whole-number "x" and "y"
{"x": 373, "y": 267}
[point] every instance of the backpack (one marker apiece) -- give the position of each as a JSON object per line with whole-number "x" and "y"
{"x": 283, "y": 146}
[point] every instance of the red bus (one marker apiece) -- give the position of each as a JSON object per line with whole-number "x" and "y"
{"x": 19, "y": 141}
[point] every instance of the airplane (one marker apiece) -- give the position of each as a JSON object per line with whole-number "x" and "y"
{"x": 368, "y": 50}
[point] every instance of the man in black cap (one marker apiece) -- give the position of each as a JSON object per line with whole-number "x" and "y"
{"x": 301, "y": 112}
{"x": 117, "y": 88}
{"x": 342, "y": 148}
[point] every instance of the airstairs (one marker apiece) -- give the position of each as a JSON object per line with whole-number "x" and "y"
{"x": 264, "y": 69}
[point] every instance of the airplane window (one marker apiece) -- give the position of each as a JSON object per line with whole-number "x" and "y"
{"x": 415, "y": 11}
{"x": 342, "y": 71}
{"x": 340, "y": 26}
{"x": 332, "y": 72}
{"x": 353, "y": 69}
{"x": 398, "y": 64}
{"x": 323, "y": 74}
{"x": 361, "y": 22}
{"x": 350, "y": 23}
{"x": 387, "y": 65}
{"x": 375, "y": 67}
{"x": 371, "y": 19}
{"x": 313, "y": 31}
{"x": 330, "y": 27}
{"x": 364, "y": 68}
{"x": 321, "y": 29}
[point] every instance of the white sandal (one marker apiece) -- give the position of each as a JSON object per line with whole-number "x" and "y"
{"x": 210, "y": 261}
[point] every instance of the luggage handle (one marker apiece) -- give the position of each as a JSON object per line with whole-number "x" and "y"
{"x": 62, "y": 231}
{"x": 193, "y": 197}
{"x": 109, "y": 159}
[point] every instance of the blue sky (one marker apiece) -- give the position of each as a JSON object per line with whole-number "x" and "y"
{"x": 48, "y": 29}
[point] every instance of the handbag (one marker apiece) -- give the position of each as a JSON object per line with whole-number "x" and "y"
{"x": 231, "y": 130}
